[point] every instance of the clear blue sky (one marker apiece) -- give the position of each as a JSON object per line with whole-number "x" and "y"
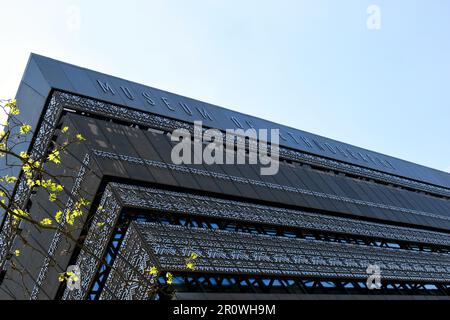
{"x": 309, "y": 64}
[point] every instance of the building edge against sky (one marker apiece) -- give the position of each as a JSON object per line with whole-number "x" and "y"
{"x": 370, "y": 205}
{"x": 66, "y": 77}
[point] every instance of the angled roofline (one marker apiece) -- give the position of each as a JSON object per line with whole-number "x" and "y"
{"x": 43, "y": 75}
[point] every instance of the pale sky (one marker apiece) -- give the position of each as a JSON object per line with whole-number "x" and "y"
{"x": 309, "y": 64}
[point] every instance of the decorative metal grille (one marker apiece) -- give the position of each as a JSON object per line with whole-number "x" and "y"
{"x": 40, "y": 146}
{"x": 128, "y": 279}
{"x": 236, "y": 179}
{"x": 225, "y": 252}
{"x": 403, "y": 265}
{"x": 97, "y": 238}
{"x": 91, "y": 255}
{"x": 163, "y": 200}
{"x": 235, "y": 252}
{"x": 57, "y": 236}
{"x": 149, "y": 120}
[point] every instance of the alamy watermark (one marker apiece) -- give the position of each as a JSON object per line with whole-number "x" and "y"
{"x": 73, "y": 18}
{"x": 374, "y": 278}
{"x": 72, "y": 277}
{"x": 241, "y": 147}
{"x": 374, "y": 19}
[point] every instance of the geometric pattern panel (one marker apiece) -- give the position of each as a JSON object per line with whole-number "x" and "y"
{"x": 228, "y": 252}
{"x": 128, "y": 279}
{"x": 142, "y": 118}
{"x": 219, "y": 251}
{"x": 296, "y": 191}
{"x": 322, "y": 259}
{"x": 163, "y": 200}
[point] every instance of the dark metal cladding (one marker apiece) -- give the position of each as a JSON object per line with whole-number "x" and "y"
{"x": 312, "y": 229}
{"x": 44, "y": 74}
{"x": 321, "y": 189}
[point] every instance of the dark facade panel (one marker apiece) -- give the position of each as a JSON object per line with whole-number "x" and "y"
{"x": 316, "y": 218}
{"x": 222, "y": 251}
{"x": 59, "y": 75}
{"x": 305, "y": 187}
